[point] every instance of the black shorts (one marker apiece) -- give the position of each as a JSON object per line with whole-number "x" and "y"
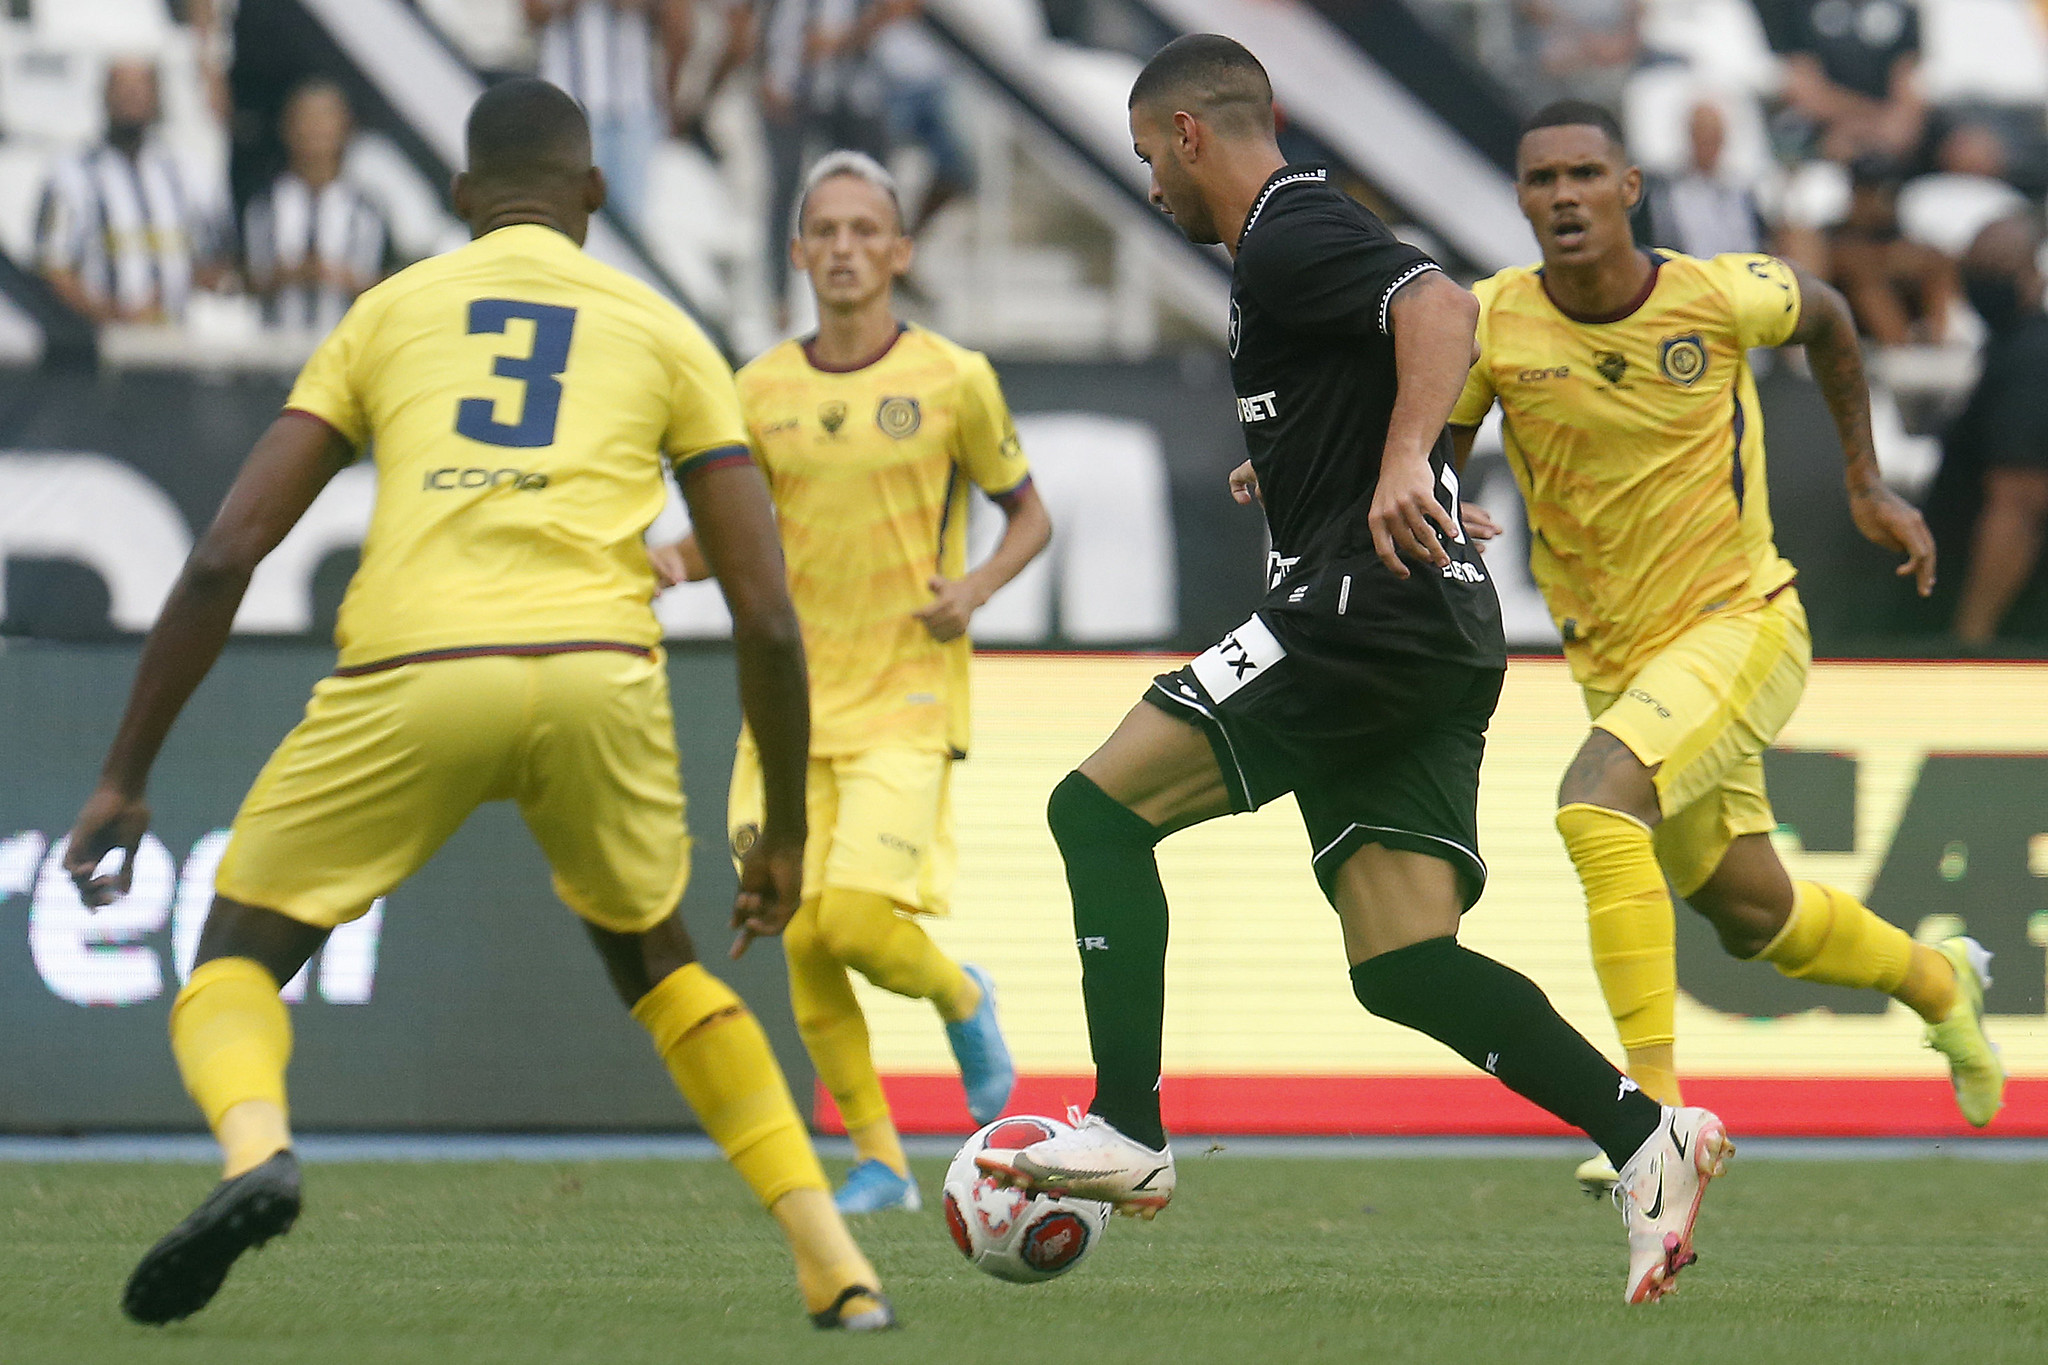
{"x": 1377, "y": 750}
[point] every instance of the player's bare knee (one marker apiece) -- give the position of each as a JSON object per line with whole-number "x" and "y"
{"x": 1607, "y": 774}
{"x": 278, "y": 943}
{"x": 639, "y": 961}
{"x": 1744, "y": 924}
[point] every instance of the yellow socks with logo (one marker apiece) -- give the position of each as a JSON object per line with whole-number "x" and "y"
{"x": 1831, "y": 936}
{"x": 1630, "y": 920}
{"x": 233, "y": 1039}
{"x": 720, "y": 1060}
{"x": 864, "y": 930}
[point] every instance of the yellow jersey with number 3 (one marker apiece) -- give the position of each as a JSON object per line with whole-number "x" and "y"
{"x": 869, "y": 470}
{"x": 1638, "y": 447}
{"x": 519, "y": 399}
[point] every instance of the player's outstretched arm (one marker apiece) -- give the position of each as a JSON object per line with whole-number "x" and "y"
{"x": 1027, "y": 530}
{"x": 1433, "y": 322}
{"x": 735, "y": 528}
{"x": 286, "y": 470}
{"x": 1828, "y": 331}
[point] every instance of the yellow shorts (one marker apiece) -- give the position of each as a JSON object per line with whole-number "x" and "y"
{"x": 1705, "y": 709}
{"x": 881, "y": 821}
{"x": 387, "y": 765}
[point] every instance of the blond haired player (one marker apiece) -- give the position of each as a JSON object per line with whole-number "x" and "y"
{"x": 1632, "y": 427}
{"x": 870, "y": 433}
{"x": 496, "y": 644}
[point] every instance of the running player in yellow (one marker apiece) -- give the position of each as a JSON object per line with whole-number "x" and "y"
{"x": 497, "y": 644}
{"x": 870, "y": 433}
{"x": 1632, "y": 427}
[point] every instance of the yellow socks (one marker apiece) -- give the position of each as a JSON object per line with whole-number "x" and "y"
{"x": 877, "y": 1141}
{"x": 1630, "y": 920}
{"x": 720, "y": 1060}
{"x": 232, "y": 1038}
{"x": 834, "y": 1030}
{"x": 1833, "y": 937}
{"x": 863, "y": 930}
{"x": 827, "y": 1261}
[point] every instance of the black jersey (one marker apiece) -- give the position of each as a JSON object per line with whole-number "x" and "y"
{"x": 1312, "y": 360}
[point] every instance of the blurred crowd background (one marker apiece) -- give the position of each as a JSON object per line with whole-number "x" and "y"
{"x": 208, "y": 183}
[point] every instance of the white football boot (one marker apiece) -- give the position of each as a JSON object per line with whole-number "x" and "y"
{"x": 1090, "y": 1161}
{"x": 1659, "y": 1197}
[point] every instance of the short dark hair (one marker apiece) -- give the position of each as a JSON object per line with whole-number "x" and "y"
{"x": 524, "y": 128}
{"x": 1576, "y": 114}
{"x": 1210, "y": 75}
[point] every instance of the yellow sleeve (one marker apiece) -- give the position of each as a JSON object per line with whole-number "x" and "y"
{"x": 988, "y": 449}
{"x": 704, "y": 408}
{"x": 1477, "y": 396}
{"x": 1763, "y": 294}
{"x": 327, "y": 388}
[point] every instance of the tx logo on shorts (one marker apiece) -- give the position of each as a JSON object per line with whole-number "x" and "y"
{"x": 898, "y": 417}
{"x": 900, "y": 845}
{"x": 1236, "y": 659}
{"x": 1611, "y": 364}
{"x": 1684, "y": 359}
{"x": 744, "y": 837}
{"x": 832, "y": 416}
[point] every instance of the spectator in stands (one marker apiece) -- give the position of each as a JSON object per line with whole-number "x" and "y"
{"x": 313, "y": 241}
{"x": 1899, "y": 290}
{"x": 118, "y": 236}
{"x": 1967, "y": 190}
{"x": 885, "y": 37}
{"x": 1851, "y": 76}
{"x": 1582, "y": 49}
{"x": 620, "y": 59}
{"x": 1998, "y": 449}
{"x": 1698, "y": 212}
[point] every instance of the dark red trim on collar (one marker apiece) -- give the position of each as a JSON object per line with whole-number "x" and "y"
{"x": 874, "y": 359}
{"x": 1649, "y": 288}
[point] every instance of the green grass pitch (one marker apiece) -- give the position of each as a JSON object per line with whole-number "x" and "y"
{"x": 1260, "y": 1259}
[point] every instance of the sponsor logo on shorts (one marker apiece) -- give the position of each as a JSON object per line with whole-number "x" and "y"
{"x": 900, "y": 844}
{"x": 441, "y": 480}
{"x": 1461, "y": 572}
{"x": 744, "y": 837}
{"x": 1637, "y": 694}
{"x": 1236, "y": 659}
{"x": 1259, "y": 407}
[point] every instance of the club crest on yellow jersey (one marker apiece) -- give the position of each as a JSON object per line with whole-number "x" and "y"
{"x": 1684, "y": 358}
{"x": 898, "y": 417}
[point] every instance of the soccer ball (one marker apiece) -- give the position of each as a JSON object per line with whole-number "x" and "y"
{"x": 1014, "y": 1236}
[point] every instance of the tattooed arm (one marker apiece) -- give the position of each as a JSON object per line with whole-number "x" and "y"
{"x": 1828, "y": 332}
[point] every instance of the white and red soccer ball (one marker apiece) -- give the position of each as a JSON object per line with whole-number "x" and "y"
{"x": 1012, "y": 1235}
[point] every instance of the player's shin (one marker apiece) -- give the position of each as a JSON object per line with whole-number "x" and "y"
{"x": 1120, "y": 927}
{"x": 232, "y": 1039}
{"x": 720, "y": 1060}
{"x": 1832, "y": 937}
{"x": 1630, "y": 921}
{"x": 1501, "y": 1022}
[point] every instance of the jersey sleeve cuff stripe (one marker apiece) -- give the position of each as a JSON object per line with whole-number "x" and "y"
{"x": 305, "y": 412}
{"x": 1413, "y": 272}
{"x": 718, "y": 457}
{"x": 1012, "y": 491}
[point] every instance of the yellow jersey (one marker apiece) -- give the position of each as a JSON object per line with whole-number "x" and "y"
{"x": 1638, "y": 447}
{"x": 518, "y": 398}
{"x": 869, "y": 470}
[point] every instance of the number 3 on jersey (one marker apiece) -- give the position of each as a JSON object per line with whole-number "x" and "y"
{"x": 540, "y": 370}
